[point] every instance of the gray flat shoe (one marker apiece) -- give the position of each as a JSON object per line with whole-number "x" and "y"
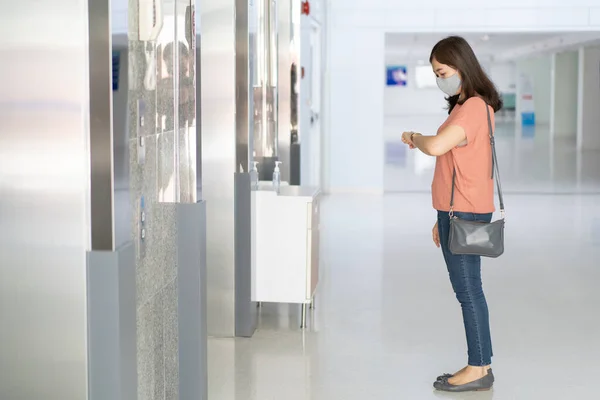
{"x": 482, "y": 384}
{"x": 445, "y": 376}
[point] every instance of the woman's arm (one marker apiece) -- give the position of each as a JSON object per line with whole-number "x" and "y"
{"x": 440, "y": 144}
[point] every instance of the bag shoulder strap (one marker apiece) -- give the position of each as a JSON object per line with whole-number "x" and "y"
{"x": 495, "y": 169}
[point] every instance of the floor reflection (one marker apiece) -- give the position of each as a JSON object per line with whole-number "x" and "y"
{"x": 387, "y": 322}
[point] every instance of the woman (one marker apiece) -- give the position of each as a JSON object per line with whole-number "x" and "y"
{"x": 462, "y": 145}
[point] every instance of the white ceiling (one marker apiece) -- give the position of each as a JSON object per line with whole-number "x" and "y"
{"x": 496, "y": 46}
{"x": 498, "y": 41}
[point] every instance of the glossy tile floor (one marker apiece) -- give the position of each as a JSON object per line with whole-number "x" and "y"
{"x": 387, "y": 322}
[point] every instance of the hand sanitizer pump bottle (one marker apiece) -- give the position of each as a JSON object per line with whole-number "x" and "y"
{"x": 254, "y": 176}
{"x": 276, "y": 177}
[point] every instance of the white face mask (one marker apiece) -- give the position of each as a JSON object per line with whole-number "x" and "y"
{"x": 450, "y": 85}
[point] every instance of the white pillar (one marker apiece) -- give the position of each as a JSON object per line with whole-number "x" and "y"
{"x": 563, "y": 94}
{"x": 580, "y": 82}
{"x": 553, "y": 97}
{"x": 588, "y": 135}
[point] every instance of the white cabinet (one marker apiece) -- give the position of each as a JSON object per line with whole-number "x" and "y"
{"x": 285, "y": 245}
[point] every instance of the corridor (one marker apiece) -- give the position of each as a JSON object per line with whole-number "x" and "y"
{"x": 387, "y": 323}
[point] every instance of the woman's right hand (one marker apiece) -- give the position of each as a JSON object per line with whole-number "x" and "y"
{"x": 435, "y": 233}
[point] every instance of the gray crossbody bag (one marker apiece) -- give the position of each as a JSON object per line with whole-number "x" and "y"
{"x": 478, "y": 238}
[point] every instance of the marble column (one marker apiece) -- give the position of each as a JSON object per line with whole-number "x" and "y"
{"x": 162, "y": 140}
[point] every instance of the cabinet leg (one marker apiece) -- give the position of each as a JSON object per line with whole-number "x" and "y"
{"x": 312, "y": 304}
{"x": 303, "y": 320}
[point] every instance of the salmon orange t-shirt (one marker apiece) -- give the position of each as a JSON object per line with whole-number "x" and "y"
{"x": 474, "y": 191}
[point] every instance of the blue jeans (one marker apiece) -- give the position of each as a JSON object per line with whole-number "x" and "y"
{"x": 465, "y": 276}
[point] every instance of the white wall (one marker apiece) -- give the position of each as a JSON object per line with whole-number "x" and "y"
{"x": 355, "y": 128}
{"x": 539, "y": 68}
{"x": 589, "y": 99}
{"x": 311, "y": 95}
{"x": 565, "y": 103}
{"x": 504, "y": 75}
{"x": 357, "y": 66}
{"x": 410, "y": 100}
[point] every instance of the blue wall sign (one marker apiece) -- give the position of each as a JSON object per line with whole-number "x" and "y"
{"x": 528, "y": 118}
{"x": 396, "y": 75}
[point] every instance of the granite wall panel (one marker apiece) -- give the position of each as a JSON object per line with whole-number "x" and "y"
{"x": 162, "y": 131}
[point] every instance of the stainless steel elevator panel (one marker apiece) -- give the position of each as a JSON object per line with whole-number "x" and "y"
{"x": 284, "y": 85}
{"x": 101, "y": 129}
{"x": 243, "y": 54}
{"x": 225, "y": 89}
{"x": 45, "y": 227}
{"x": 121, "y": 153}
{"x": 218, "y": 99}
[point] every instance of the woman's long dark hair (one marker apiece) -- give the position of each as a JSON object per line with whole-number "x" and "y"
{"x": 455, "y": 52}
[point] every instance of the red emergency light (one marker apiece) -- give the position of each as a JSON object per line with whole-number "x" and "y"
{"x": 305, "y": 7}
